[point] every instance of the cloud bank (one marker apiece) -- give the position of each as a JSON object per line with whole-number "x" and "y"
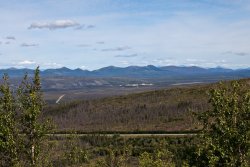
{"x": 237, "y": 53}
{"x": 81, "y": 27}
{"x": 29, "y": 44}
{"x": 129, "y": 55}
{"x": 121, "y": 48}
{"x": 58, "y": 24}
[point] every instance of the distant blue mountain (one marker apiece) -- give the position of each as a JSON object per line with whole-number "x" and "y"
{"x": 14, "y": 72}
{"x": 149, "y": 71}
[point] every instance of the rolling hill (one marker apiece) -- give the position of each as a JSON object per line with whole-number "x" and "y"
{"x": 160, "y": 110}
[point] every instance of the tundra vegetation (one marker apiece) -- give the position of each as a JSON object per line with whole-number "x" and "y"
{"x": 222, "y": 127}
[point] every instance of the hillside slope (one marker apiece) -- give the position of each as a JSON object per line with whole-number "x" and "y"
{"x": 160, "y": 110}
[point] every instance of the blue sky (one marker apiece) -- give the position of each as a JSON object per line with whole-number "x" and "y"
{"x": 91, "y": 34}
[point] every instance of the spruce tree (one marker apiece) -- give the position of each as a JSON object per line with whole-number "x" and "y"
{"x": 31, "y": 106}
{"x": 8, "y": 131}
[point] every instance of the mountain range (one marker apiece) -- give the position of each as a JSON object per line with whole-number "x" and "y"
{"x": 149, "y": 71}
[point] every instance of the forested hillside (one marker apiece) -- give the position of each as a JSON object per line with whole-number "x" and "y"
{"x": 161, "y": 110}
{"x": 222, "y": 139}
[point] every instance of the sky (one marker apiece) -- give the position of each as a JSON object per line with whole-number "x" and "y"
{"x": 91, "y": 34}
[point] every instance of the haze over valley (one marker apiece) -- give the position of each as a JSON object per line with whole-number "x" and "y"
{"x": 108, "y": 81}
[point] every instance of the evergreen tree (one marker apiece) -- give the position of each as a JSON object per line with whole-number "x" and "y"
{"x": 31, "y": 106}
{"x": 8, "y": 131}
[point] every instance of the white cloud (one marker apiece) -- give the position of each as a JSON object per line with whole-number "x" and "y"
{"x": 33, "y": 64}
{"x": 83, "y": 67}
{"x": 165, "y": 62}
{"x": 50, "y": 65}
{"x": 26, "y": 62}
{"x": 124, "y": 62}
{"x": 55, "y": 24}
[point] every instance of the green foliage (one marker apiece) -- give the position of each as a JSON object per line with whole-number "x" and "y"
{"x": 146, "y": 160}
{"x": 31, "y": 105}
{"x": 75, "y": 154}
{"x": 225, "y": 134}
{"x": 115, "y": 158}
{"x": 161, "y": 158}
{"x": 8, "y": 132}
{"x": 21, "y": 130}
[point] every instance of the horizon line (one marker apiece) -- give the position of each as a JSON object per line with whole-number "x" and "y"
{"x": 43, "y": 69}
